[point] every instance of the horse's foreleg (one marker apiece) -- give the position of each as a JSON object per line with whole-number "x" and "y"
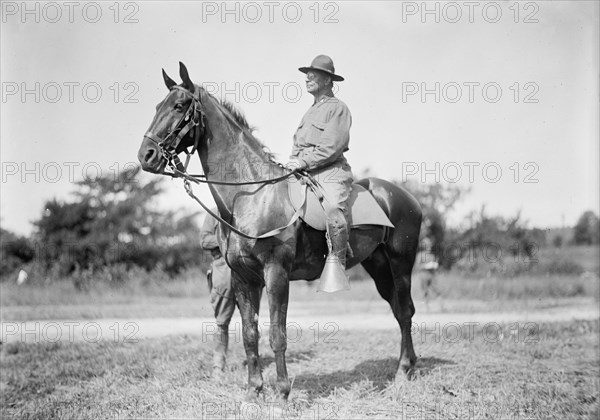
{"x": 248, "y": 298}
{"x": 276, "y": 280}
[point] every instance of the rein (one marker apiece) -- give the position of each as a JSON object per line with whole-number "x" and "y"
{"x": 196, "y": 121}
{"x": 295, "y": 216}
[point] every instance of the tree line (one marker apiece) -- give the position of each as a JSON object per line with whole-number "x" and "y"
{"x": 109, "y": 221}
{"x": 112, "y": 221}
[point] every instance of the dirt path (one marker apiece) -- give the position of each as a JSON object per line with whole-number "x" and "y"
{"x": 299, "y": 323}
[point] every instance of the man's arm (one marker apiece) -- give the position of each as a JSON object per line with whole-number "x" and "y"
{"x": 208, "y": 233}
{"x": 295, "y": 161}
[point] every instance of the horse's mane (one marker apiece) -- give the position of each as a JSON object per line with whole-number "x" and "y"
{"x": 239, "y": 117}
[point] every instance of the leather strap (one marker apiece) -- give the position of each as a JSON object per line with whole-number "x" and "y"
{"x": 274, "y": 232}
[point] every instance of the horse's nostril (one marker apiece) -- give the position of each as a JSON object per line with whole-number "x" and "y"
{"x": 149, "y": 155}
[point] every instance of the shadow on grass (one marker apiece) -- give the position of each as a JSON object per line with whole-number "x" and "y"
{"x": 426, "y": 364}
{"x": 381, "y": 373}
{"x": 290, "y": 357}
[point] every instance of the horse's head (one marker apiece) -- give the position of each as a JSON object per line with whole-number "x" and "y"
{"x": 178, "y": 124}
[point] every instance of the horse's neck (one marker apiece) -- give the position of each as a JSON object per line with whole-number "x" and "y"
{"x": 232, "y": 154}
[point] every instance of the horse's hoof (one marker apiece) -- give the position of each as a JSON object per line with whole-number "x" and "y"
{"x": 251, "y": 397}
{"x": 401, "y": 377}
{"x": 405, "y": 372}
{"x": 283, "y": 391}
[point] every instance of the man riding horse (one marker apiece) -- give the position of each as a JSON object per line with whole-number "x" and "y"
{"x": 266, "y": 243}
{"x": 319, "y": 145}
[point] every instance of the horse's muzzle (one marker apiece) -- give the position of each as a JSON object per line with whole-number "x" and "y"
{"x": 150, "y": 157}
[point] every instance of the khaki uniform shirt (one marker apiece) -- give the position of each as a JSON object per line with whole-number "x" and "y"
{"x": 323, "y": 134}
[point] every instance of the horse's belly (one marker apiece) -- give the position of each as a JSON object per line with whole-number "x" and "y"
{"x": 311, "y": 250}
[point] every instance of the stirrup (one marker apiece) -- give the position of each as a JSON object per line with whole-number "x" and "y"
{"x": 333, "y": 278}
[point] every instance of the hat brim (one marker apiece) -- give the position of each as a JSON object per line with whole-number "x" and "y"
{"x": 334, "y": 77}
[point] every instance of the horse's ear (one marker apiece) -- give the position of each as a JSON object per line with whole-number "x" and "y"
{"x": 168, "y": 81}
{"x": 183, "y": 73}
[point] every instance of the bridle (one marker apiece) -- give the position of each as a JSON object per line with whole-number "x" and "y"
{"x": 194, "y": 119}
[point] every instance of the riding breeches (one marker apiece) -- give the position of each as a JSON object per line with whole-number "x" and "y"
{"x": 222, "y": 297}
{"x": 336, "y": 181}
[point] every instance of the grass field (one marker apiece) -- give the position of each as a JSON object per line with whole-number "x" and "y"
{"x": 552, "y": 374}
{"x": 549, "y": 371}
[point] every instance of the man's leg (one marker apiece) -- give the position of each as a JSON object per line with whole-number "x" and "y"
{"x": 337, "y": 213}
{"x": 223, "y": 303}
{"x": 337, "y": 229}
{"x": 221, "y": 342}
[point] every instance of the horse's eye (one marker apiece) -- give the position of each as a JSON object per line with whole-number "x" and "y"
{"x": 178, "y": 107}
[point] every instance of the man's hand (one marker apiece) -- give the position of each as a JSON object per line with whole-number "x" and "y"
{"x": 294, "y": 164}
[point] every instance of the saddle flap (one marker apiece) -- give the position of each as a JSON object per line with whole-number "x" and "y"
{"x": 363, "y": 207}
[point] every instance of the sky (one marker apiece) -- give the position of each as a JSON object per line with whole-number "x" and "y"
{"x": 499, "y": 97}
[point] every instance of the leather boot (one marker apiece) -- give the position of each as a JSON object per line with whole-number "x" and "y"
{"x": 339, "y": 243}
{"x": 334, "y": 277}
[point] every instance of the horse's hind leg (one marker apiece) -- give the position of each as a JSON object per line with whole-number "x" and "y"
{"x": 248, "y": 300}
{"x": 392, "y": 277}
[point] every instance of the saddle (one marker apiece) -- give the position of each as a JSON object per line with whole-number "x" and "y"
{"x": 363, "y": 208}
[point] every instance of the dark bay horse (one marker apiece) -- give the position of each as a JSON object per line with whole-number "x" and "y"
{"x": 230, "y": 155}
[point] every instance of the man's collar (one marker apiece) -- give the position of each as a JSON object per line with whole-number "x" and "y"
{"x": 325, "y": 96}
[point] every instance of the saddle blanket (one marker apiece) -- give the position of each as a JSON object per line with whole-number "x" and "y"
{"x": 364, "y": 210}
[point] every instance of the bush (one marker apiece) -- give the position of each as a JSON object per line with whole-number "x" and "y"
{"x": 112, "y": 227}
{"x": 561, "y": 266}
{"x": 16, "y": 251}
{"x": 587, "y": 230}
{"x": 510, "y": 266}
